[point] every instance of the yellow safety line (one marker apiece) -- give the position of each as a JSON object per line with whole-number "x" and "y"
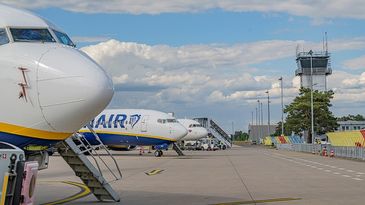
{"x": 4, "y": 189}
{"x": 259, "y": 201}
{"x": 84, "y": 192}
{"x": 154, "y": 172}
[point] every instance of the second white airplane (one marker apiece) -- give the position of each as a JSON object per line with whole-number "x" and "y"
{"x": 195, "y": 130}
{"x": 135, "y": 127}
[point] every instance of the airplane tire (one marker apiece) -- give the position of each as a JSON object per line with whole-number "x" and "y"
{"x": 157, "y": 153}
{"x": 161, "y": 152}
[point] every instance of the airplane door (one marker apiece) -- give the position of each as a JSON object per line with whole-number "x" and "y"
{"x": 144, "y": 123}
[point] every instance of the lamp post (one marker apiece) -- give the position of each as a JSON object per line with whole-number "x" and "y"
{"x": 259, "y": 121}
{"x": 262, "y": 121}
{"x": 268, "y": 112}
{"x": 282, "y": 105}
{"x": 312, "y": 114}
{"x": 251, "y": 117}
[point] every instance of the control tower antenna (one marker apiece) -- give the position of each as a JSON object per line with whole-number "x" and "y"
{"x": 325, "y": 35}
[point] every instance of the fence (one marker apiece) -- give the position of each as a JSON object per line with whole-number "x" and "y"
{"x": 345, "y": 152}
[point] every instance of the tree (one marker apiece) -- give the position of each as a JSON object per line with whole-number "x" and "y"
{"x": 357, "y": 117}
{"x": 241, "y": 136}
{"x": 299, "y": 113}
{"x": 278, "y": 130}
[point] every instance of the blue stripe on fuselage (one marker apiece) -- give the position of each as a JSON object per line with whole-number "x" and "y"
{"x": 23, "y": 141}
{"x": 119, "y": 139}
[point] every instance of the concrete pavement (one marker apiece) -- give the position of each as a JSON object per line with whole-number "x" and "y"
{"x": 241, "y": 175}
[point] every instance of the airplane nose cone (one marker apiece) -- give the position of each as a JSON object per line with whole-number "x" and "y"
{"x": 203, "y": 133}
{"x": 181, "y": 132}
{"x": 72, "y": 89}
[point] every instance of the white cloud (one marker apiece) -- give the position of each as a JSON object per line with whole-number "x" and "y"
{"x": 205, "y": 78}
{"x": 120, "y": 79}
{"x": 211, "y": 72}
{"x": 318, "y": 9}
{"x": 89, "y": 39}
{"x": 355, "y": 63}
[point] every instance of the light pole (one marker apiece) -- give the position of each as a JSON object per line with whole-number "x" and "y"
{"x": 268, "y": 112}
{"x": 251, "y": 117}
{"x": 312, "y": 114}
{"x": 232, "y": 129}
{"x": 262, "y": 121}
{"x": 282, "y": 105}
{"x": 259, "y": 121}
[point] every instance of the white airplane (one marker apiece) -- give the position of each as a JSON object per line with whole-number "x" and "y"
{"x": 135, "y": 127}
{"x": 195, "y": 130}
{"x": 49, "y": 89}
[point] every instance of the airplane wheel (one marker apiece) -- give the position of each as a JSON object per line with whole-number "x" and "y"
{"x": 161, "y": 152}
{"x": 157, "y": 153}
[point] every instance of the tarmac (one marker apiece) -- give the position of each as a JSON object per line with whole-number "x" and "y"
{"x": 241, "y": 175}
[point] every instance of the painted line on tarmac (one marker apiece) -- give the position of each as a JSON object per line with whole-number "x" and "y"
{"x": 154, "y": 172}
{"x": 85, "y": 191}
{"x": 259, "y": 201}
{"x": 291, "y": 159}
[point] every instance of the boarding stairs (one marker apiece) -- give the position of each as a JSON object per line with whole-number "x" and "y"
{"x": 214, "y": 130}
{"x": 74, "y": 151}
{"x": 177, "y": 149}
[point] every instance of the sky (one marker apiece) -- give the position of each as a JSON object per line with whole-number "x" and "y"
{"x": 212, "y": 58}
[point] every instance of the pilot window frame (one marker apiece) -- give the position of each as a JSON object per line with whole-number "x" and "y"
{"x": 55, "y": 31}
{"x": 31, "y": 27}
{"x": 6, "y": 35}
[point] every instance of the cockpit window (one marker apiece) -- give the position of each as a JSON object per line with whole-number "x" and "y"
{"x": 171, "y": 120}
{"x": 195, "y": 125}
{"x": 64, "y": 39}
{"x": 3, "y": 37}
{"x": 163, "y": 121}
{"x": 31, "y": 35}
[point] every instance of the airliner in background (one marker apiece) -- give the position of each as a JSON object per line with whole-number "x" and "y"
{"x": 135, "y": 127}
{"x": 195, "y": 130}
{"x": 49, "y": 89}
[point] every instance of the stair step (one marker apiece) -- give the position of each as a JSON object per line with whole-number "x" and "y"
{"x": 98, "y": 191}
{"x": 84, "y": 169}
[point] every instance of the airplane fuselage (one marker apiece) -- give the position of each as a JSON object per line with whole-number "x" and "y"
{"x": 133, "y": 127}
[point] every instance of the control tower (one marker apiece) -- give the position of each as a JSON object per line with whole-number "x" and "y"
{"x": 320, "y": 62}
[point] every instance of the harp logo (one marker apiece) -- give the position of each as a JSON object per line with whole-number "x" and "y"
{"x": 134, "y": 119}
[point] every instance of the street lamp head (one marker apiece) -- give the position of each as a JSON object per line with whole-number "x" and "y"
{"x": 281, "y": 78}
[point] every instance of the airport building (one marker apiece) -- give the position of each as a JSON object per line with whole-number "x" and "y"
{"x": 316, "y": 65}
{"x": 350, "y": 125}
{"x": 259, "y": 132}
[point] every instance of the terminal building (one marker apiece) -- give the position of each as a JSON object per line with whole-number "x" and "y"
{"x": 258, "y": 132}
{"x": 350, "y": 125}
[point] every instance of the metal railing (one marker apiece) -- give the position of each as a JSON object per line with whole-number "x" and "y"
{"x": 339, "y": 151}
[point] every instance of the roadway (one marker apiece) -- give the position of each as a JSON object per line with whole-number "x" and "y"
{"x": 242, "y": 175}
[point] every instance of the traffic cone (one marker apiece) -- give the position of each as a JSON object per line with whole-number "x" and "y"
{"x": 332, "y": 154}
{"x": 324, "y": 152}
